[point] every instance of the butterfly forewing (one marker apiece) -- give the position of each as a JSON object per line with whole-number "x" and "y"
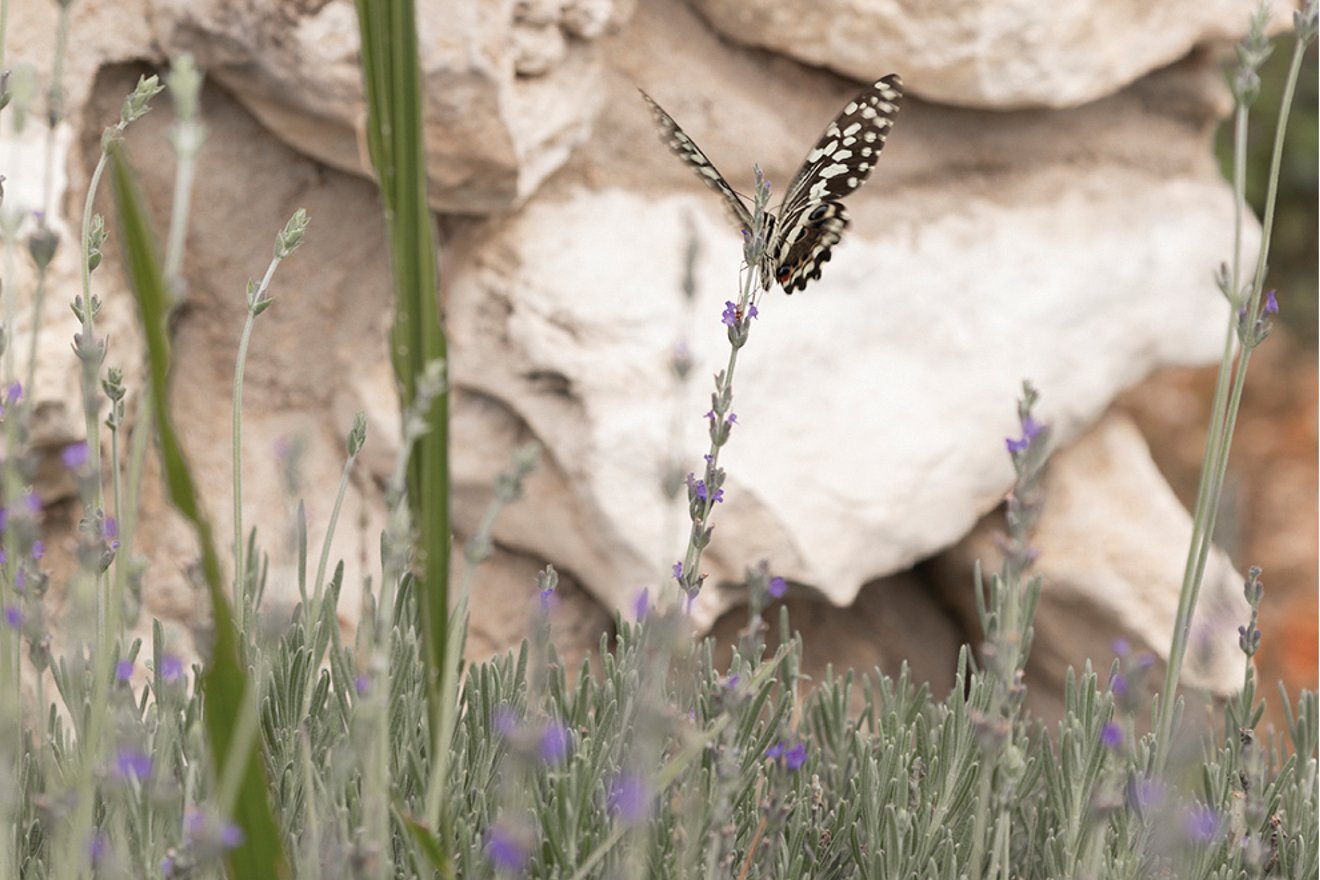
{"x": 846, "y": 153}
{"x": 811, "y": 218}
{"x": 678, "y": 141}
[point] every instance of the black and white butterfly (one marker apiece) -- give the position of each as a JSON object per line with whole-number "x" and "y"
{"x": 811, "y": 218}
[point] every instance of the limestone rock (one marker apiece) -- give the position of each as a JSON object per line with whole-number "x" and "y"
{"x": 989, "y": 247}
{"x": 506, "y": 98}
{"x": 894, "y": 620}
{"x": 1112, "y": 543}
{"x": 999, "y": 54}
{"x": 872, "y": 407}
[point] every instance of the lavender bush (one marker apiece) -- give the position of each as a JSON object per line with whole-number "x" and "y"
{"x": 660, "y": 763}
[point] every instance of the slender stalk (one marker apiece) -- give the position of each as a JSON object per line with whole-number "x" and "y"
{"x": 692, "y": 559}
{"x": 38, "y": 301}
{"x": 704, "y": 495}
{"x": 356, "y": 439}
{"x": 258, "y": 300}
{"x": 1224, "y": 419}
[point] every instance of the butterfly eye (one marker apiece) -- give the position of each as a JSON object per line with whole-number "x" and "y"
{"x": 819, "y": 212}
{"x": 783, "y": 273}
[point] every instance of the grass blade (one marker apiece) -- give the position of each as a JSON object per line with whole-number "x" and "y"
{"x": 260, "y": 854}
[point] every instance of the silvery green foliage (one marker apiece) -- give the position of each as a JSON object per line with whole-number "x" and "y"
{"x": 661, "y": 761}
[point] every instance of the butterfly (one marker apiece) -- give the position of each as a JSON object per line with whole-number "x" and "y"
{"x": 811, "y": 218}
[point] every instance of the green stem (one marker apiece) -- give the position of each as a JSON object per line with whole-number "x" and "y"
{"x": 255, "y": 299}
{"x": 1224, "y": 418}
{"x": 692, "y": 559}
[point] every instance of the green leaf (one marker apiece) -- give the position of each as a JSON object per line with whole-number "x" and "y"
{"x": 224, "y": 682}
{"x": 426, "y": 843}
{"x": 393, "y": 88}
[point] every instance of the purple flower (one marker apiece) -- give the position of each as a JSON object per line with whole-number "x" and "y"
{"x": 1119, "y": 684}
{"x": 14, "y": 393}
{"x": 1201, "y": 823}
{"x": 733, "y": 681}
{"x": 730, "y": 316}
{"x": 4, "y": 557}
{"x": 546, "y": 600}
{"x": 124, "y": 670}
{"x": 20, "y": 579}
{"x": 752, "y": 311}
{"x": 554, "y": 743}
{"x": 74, "y": 455}
{"x": 504, "y": 721}
{"x": 194, "y": 822}
{"x": 778, "y": 587}
{"x": 231, "y": 836}
{"x": 97, "y": 846}
{"x": 167, "y": 866}
{"x": 14, "y": 617}
{"x": 678, "y": 570}
{"x": 32, "y": 502}
{"x": 629, "y": 799}
{"x": 362, "y": 684}
{"x": 733, "y": 417}
{"x": 1121, "y": 647}
{"x": 132, "y": 764}
{"x": 1271, "y": 304}
{"x": 111, "y": 527}
{"x": 38, "y": 549}
{"x": 1111, "y": 735}
{"x": 171, "y": 668}
{"x": 794, "y": 756}
{"x": 1030, "y": 429}
{"x": 642, "y": 604}
{"x": 505, "y": 850}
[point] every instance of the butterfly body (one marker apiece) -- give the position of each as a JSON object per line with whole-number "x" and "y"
{"x": 811, "y": 219}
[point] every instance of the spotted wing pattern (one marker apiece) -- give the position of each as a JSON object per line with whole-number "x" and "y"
{"x": 683, "y": 147}
{"x": 811, "y": 218}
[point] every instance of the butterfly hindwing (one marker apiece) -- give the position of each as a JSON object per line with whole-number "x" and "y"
{"x": 811, "y": 218}
{"x": 798, "y": 252}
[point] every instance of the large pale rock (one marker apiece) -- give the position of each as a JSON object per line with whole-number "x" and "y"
{"x": 508, "y": 89}
{"x": 872, "y": 408}
{"x": 1112, "y": 544}
{"x": 1005, "y": 53}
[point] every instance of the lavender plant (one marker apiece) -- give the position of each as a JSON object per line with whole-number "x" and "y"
{"x": 661, "y": 762}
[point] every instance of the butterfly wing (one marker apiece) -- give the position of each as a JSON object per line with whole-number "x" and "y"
{"x": 811, "y": 219}
{"x": 683, "y": 147}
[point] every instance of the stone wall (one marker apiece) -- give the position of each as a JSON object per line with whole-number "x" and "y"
{"x": 1048, "y": 207}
